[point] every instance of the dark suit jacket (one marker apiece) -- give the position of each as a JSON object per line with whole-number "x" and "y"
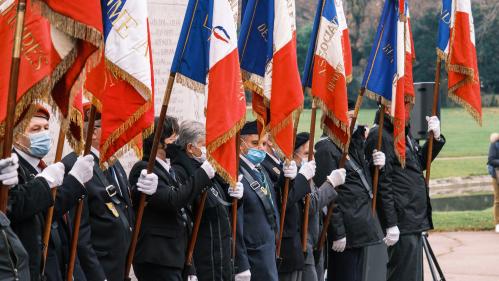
{"x": 255, "y": 234}
{"x": 164, "y": 235}
{"x": 28, "y": 202}
{"x": 106, "y": 223}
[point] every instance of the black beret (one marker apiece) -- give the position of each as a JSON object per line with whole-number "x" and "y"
{"x": 351, "y": 105}
{"x": 250, "y": 128}
{"x": 301, "y": 139}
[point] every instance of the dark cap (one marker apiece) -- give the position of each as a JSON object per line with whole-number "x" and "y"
{"x": 41, "y": 112}
{"x": 250, "y": 128}
{"x": 301, "y": 139}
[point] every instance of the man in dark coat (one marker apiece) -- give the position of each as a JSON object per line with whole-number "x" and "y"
{"x": 403, "y": 199}
{"x": 313, "y": 269}
{"x": 353, "y": 225}
{"x": 31, "y": 197}
{"x": 107, "y": 218}
{"x": 258, "y": 217}
{"x": 292, "y": 261}
{"x": 212, "y": 253}
{"x": 163, "y": 237}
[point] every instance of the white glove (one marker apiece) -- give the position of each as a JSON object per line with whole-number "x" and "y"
{"x": 379, "y": 159}
{"x": 83, "y": 169}
{"x": 8, "y": 170}
{"x": 243, "y": 276}
{"x": 290, "y": 170}
{"x": 339, "y": 245}
{"x": 238, "y": 190}
{"x": 192, "y": 278}
{"x": 208, "y": 168}
{"x": 392, "y": 236}
{"x": 337, "y": 177}
{"x": 147, "y": 183}
{"x": 434, "y": 126}
{"x": 53, "y": 174}
{"x": 308, "y": 169}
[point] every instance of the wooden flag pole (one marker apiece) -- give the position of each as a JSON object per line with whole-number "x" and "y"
{"x": 150, "y": 166}
{"x": 234, "y": 201}
{"x": 436, "y": 91}
{"x": 12, "y": 96}
{"x": 327, "y": 219}
{"x": 378, "y": 148}
{"x": 195, "y": 229}
{"x": 285, "y": 195}
{"x": 79, "y": 207}
{"x": 304, "y": 233}
{"x": 50, "y": 211}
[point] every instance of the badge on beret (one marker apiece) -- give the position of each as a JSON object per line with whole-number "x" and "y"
{"x": 113, "y": 210}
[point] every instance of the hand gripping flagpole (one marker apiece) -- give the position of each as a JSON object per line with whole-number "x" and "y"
{"x": 436, "y": 91}
{"x": 150, "y": 166}
{"x": 50, "y": 211}
{"x": 304, "y": 228}
{"x": 327, "y": 219}
{"x": 285, "y": 195}
{"x": 79, "y": 207}
{"x": 12, "y": 95}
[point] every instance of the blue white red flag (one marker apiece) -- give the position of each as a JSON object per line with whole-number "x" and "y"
{"x": 385, "y": 76}
{"x": 328, "y": 69}
{"x": 456, "y": 46}
{"x": 267, "y": 45}
{"x": 207, "y": 61}
{"x": 123, "y": 81}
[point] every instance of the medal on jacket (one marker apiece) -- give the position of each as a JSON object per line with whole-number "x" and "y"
{"x": 113, "y": 210}
{"x": 277, "y": 171}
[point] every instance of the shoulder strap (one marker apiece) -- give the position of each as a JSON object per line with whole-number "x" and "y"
{"x": 362, "y": 176}
{"x": 257, "y": 188}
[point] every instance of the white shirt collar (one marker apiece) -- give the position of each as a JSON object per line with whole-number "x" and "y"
{"x": 95, "y": 151}
{"x": 165, "y": 165}
{"x": 33, "y": 161}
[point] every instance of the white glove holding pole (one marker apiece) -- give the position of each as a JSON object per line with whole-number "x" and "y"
{"x": 379, "y": 159}
{"x": 53, "y": 174}
{"x": 8, "y": 170}
{"x": 392, "y": 236}
{"x": 434, "y": 126}
{"x": 192, "y": 278}
{"x": 243, "y": 276}
{"x": 208, "y": 168}
{"x": 83, "y": 169}
{"x": 147, "y": 183}
{"x": 340, "y": 245}
{"x": 238, "y": 190}
{"x": 337, "y": 177}
{"x": 308, "y": 169}
{"x": 290, "y": 170}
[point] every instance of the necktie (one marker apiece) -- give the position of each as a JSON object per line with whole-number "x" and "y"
{"x": 42, "y": 165}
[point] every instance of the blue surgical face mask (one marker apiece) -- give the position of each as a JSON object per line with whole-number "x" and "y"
{"x": 255, "y": 156}
{"x": 40, "y": 144}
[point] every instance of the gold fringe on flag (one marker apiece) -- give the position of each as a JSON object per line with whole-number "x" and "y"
{"x": 123, "y": 75}
{"x": 189, "y": 83}
{"x": 343, "y": 126}
{"x": 211, "y": 147}
{"x": 70, "y": 26}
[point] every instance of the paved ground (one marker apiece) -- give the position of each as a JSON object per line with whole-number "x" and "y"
{"x": 466, "y": 256}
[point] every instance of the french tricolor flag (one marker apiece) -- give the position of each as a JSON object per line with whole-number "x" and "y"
{"x": 456, "y": 46}
{"x": 387, "y": 72}
{"x": 207, "y": 61}
{"x": 328, "y": 69}
{"x": 267, "y": 44}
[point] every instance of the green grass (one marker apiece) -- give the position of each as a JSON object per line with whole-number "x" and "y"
{"x": 464, "y": 220}
{"x": 464, "y": 138}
